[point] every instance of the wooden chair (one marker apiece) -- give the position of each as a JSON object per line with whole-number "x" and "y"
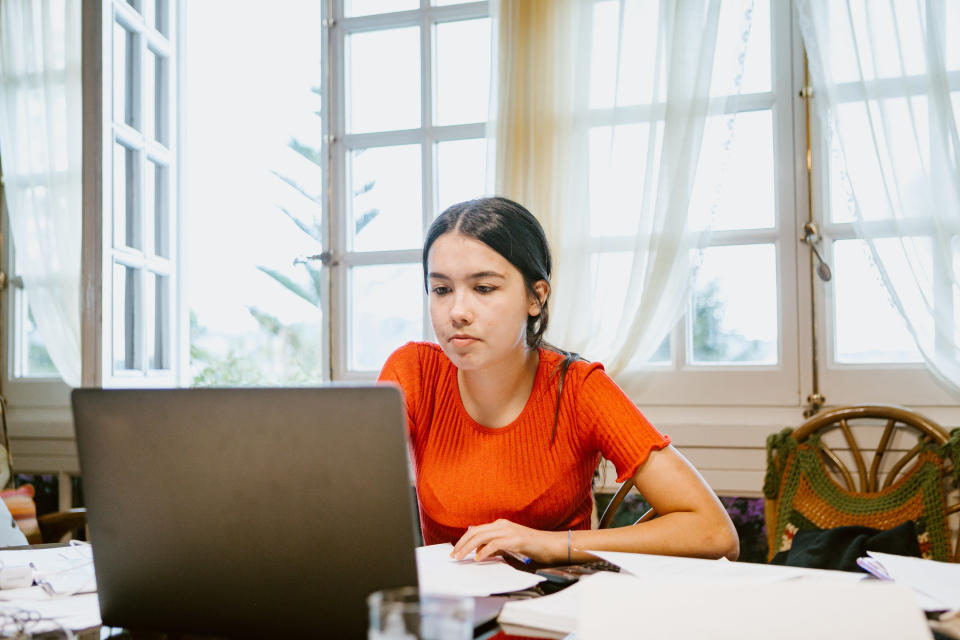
{"x": 819, "y": 474}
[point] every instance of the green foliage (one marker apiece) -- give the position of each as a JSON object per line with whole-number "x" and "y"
{"x": 710, "y": 342}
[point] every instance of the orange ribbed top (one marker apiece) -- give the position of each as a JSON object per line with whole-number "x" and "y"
{"x": 468, "y": 474}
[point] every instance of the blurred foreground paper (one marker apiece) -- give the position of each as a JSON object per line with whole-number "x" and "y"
{"x": 617, "y": 606}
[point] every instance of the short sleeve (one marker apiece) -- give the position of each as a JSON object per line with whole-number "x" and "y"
{"x": 615, "y": 425}
{"x": 402, "y": 369}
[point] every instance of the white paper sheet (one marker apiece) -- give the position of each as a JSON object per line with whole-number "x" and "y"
{"x": 64, "y": 570}
{"x": 440, "y": 574}
{"x": 76, "y": 612}
{"x": 618, "y": 606}
{"x": 555, "y": 612}
{"x": 937, "y": 584}
{"x": 670, "y": 570}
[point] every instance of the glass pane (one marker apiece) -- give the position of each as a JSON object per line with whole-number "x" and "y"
{"x": 618, "y": 172}
{"x": 37, "y": 360}
{"x": 352, "y": 8}
{"x": 158, "y": 201}
{"x": 151, "y": 97}
{"x": 632, "y": 83}
{"x": 158, "y": 334}
{"x": 162, "y": 17}
{"x": 756, "y": 65}
{"x": 740, "y": 185}
{"x": 126, "y": 222}
{"x": 256, "y": 318}
{"x": 867, "y": 327}
{"x": 444, "y": 3}
{"x": 136, "y": 4}
{"x": 124, "y": 75}
{"x": 385, "y": 204}
{"x": 461, "y": 171}
{"x": 126, "y": 298}
{"x": 731, "y": 29}
{"x": 610, "y": 274}
{"x": 156, "y": 114}
{"x": 873, "y": 23}
{"x": 735, "y": 317}
{"x": 953, "y": 44}
{"x": 386, "y": 310}
{"x": 383, "y": 80}
{"x": 463, "y": 71}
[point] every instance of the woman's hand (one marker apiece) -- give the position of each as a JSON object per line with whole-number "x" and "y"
{"x": 503, "y": 535}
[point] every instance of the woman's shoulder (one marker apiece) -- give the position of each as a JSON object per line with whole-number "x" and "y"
{"x": 579, "y": 368}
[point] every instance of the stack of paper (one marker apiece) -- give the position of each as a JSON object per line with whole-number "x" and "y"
{"x": 440, "y": 574}
{"x": 936, "y": 585}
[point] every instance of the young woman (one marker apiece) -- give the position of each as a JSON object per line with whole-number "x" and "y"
{"x": 506, "y": 431}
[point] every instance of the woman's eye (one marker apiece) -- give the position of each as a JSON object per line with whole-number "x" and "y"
{"x": 441, "y": 291}
{"x": 482, "y": 288}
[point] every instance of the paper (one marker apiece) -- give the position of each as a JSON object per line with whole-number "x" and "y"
{"x": 71, "y": 612}
{"x": 618, "y": 606}
{"x": 671, "y": 569}
{"x": 555, "y": 612}
{"x": 936, "y": 584}
{"x": 59, "y": 570}
{"x": 440, "y": 574}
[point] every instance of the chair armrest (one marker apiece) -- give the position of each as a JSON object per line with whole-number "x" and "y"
{"x": 54, "y": 526}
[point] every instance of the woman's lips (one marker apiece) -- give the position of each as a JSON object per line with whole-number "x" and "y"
{"x": 462, "y": 341}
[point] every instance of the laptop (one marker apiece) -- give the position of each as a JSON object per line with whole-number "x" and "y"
{"x": 252, "y": 512}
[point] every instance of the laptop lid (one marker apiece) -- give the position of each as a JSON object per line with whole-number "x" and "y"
{"x": 245, "y": 511}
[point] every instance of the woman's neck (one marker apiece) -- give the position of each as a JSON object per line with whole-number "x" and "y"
{"x": 495, "y": 396}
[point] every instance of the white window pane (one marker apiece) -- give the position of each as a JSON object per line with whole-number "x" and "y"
{"x": 383, "y": 80}
{"x": 157, "y": 98}
{"x": 618, "y": 172}
{"x": 256, "y": 318}
{"x": 37, "y": 362}
{"x": 127, "y": 228}
{"x": 875, "y": 23}
{"x": 461, "y": 171}
{"x": 739, "y": 184}
{"x": 385, "y": 203}
{"x": 756, "y": 64}
{"x": 908, "y": 122}
{"x": 352, "y": 8}
{"x": 867, "y": 327}
{"x": 158, "y": 202}
{"x": 386, "y": 310}
{"x": 126, "y": 299}
{"x": 136, "y": 4}
{"x": 951, "y": 24}
{"x": 463, "y": 71}
{"x": 735, "y": 306}
{"x": 632, "y": 83}
{"x": 158, "y": 333}
{"x": 610, "y": 274}
{"x": 732, "y": 27}
{"x": 124, "y": 75}
{"x": 151, "y": 97}
{"x": 444, "y": 3}
{"x": 161, "y": 19}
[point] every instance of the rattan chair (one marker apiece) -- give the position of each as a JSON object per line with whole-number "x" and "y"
{"x": 820, "y": 475}
{"x": 607, "y": 518}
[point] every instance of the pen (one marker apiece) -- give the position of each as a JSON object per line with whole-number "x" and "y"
{"x": 516, "y": 555}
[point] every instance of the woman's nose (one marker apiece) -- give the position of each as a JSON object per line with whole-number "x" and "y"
{"x": 460, "y": 311}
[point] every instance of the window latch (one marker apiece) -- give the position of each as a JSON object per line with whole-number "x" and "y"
{"x": 811, "y": 236}
{"x": 15, "y": 281}
{"x": 324, "y": 257}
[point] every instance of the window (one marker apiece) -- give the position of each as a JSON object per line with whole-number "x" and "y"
{"x": 136, "y": 324}
{"x": 394, "y": 169}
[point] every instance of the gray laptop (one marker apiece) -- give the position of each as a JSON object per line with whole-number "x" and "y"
{"x": 257, "y": 512}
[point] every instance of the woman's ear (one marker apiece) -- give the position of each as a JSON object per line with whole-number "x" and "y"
{"x": 542, "y": 289}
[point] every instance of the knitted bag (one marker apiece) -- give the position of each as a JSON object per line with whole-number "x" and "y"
{"x": 809, "y": 498}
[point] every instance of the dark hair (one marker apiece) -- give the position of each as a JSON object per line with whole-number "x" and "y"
{"x": 509, "y": 229}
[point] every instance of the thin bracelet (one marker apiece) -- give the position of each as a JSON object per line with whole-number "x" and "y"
{"x": 568, "y": 545}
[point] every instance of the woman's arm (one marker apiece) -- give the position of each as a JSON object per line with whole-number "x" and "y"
{"x": 691, "y": 522}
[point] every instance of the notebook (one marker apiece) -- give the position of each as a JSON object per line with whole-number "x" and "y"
{"x": 256, "y": 512}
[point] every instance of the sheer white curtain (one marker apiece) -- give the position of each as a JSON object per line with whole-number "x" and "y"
{"x": 882, "y": 75}
{"x": 597, "y": 123}
{"x": 40, "y": 115}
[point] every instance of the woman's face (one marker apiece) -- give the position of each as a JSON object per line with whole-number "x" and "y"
{"x": 478, "y": 302}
